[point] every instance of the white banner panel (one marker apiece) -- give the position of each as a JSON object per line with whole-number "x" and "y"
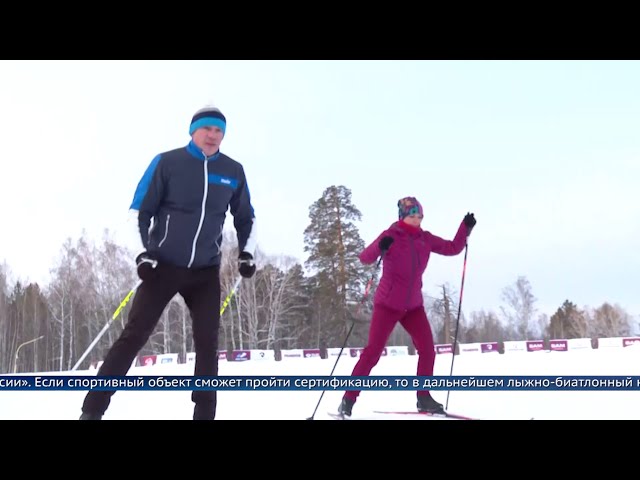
{"x": 610, "y": 342}
{"x": 334, "y": 352}
{"x": 263, "y": 355}
{"x": 396, "y": 351}
{"x": 292, "y": 353}
{"x": 469, "y": 348}
{"x": 579, "y": 343}
{"x": 515, "y": 346}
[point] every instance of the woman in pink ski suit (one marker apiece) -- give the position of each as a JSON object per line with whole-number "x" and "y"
{"x": 398, "y": 297}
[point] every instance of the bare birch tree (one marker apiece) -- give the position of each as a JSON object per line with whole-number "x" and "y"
{"x": 520, "y": 307}
{"x": 609, "y": 320}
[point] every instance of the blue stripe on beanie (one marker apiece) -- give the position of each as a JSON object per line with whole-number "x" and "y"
{"x": 208, "y": 117}
{"x": 207, "y": 122}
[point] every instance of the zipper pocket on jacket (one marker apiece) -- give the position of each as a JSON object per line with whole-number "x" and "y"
{"x": 166, "y": 231}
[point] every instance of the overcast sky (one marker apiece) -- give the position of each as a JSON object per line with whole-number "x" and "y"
{"x": 547, "y": 155}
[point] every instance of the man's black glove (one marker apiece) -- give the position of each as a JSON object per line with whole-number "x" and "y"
{"x": 385, "y": 243}
{"x": 470, "y": 222}
{"x": 146, "y": 264}
{"x": 246, "y": 265}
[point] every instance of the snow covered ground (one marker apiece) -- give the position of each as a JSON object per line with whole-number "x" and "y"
{"x": 294, "y": 405}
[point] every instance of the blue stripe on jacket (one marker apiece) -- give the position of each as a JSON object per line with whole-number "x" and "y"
{"x": 143, "y": 185}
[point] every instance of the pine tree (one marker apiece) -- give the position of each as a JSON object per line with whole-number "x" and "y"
{"x": 334, "y": 244}
{"x": 567, "y": 322}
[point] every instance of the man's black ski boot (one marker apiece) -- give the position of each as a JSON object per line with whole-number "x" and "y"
{"x": 90, "y": 416}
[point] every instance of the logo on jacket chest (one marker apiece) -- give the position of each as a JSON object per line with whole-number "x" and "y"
{"x": 222, "y": 180}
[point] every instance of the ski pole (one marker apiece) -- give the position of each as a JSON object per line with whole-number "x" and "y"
{"x": 106, "y": 327}
{"x": 455, "y": 337}
{"x": 344, "y": 344}
{"x": 124, "y": 303}
{"x": 231, "y": 293}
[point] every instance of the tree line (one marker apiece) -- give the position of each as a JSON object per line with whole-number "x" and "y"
{"x": 285, "y": 305}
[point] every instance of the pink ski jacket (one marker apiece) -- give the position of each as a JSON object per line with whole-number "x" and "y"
{"x": 406, "y": 260}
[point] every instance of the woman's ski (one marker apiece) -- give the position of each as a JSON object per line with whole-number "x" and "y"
{"x": 438, "y": 415}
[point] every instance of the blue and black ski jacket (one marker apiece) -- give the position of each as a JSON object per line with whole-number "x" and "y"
{"x": 187, "y": 196}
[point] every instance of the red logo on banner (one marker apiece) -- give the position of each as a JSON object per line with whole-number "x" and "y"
{"x": 241, "y": 355}
{"x": 535, "y": 345}
{"x": 558, "y": 345}
{"x": 311, "y": 353}
{"x": 444, "y": 348}
{"x": 148, "y": 360}
{"x": 630, "y": 341}
{"x": 489, "y": 347}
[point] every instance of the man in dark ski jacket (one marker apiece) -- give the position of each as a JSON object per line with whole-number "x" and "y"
{"x": 181, "y": 203}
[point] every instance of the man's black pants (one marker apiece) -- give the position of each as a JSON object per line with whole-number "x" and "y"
{"x": 200, "y": 290}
